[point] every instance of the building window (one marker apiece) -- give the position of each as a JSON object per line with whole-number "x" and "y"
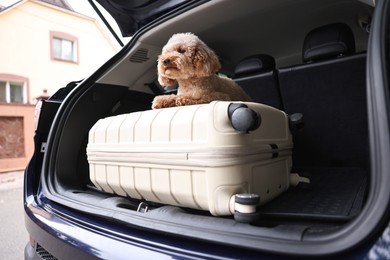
{"x": 63, "y": 47}
{"x": 13, "y": 89}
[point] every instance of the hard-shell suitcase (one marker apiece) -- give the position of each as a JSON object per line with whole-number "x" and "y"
{"x": 206, "y": 157}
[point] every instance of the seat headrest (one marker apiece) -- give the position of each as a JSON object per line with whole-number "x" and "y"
{"x": 328, "y": 41}
{"x": 254, "y": 64}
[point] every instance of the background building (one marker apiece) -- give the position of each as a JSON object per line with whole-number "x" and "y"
{"x": 44, "y": 45}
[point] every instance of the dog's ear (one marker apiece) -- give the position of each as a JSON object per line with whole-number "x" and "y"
{"x": 164, "y": 81}
{"x": 206, "y": 61}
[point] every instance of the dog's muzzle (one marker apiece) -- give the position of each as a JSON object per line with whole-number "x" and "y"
{"x": 167, "y": 62}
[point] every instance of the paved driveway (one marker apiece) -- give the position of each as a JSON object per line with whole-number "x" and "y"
{"x": 13, "y": 235}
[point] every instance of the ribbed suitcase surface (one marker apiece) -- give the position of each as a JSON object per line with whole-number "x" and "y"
{"x": 191, "y": 156}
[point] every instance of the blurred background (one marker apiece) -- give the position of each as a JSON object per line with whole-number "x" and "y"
{"x": 44, "y": 45}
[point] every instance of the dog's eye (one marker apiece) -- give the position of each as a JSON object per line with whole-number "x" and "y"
{"x": 182, "y": 51}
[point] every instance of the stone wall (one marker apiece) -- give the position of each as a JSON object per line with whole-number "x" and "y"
{"x": 11, "y": 137}
{"x": 16, "y": 136}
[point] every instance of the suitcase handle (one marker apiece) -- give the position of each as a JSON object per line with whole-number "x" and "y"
{"x": 243, "y": 118}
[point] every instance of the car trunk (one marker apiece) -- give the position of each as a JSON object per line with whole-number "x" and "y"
{"x": 331, "y": 149}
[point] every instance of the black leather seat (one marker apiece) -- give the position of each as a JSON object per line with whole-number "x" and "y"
{"x": 329, "y": 89}
{"x": 258, "y": 78}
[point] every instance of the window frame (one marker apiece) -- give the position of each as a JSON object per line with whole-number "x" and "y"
{"x": 11, "y": 78}
{"x": 66, "y": 37}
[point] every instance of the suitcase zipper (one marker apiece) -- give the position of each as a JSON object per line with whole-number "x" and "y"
{"x": 212, "y": 157}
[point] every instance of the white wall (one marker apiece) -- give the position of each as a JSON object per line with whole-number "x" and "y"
{"x": 25, "y": 45}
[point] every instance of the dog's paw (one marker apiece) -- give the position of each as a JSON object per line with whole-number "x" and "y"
{"x": 164, "y": 101}
{"x": 156, "y": 104}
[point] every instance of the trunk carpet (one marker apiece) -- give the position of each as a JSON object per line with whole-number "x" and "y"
{"x": 333, "y": 194}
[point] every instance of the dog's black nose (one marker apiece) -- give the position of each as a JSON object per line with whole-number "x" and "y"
{"x": 166, "y": 62}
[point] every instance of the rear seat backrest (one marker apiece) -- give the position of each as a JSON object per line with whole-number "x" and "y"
{"x": 330, "y": 91}
{"x": 257, "y": 77}
{"x": 329, "y": 41}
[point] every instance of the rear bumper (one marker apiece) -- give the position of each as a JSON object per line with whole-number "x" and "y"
{"x": 62, "y": 238}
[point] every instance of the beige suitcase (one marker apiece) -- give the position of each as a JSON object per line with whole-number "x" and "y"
{"x": 192, "y": 156}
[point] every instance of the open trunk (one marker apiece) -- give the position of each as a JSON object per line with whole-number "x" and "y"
{"x": 332, "y": 149}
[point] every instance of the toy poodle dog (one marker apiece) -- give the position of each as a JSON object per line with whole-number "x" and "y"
{"x": 187, "y": 60}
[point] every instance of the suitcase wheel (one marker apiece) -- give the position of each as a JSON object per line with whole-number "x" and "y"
{"x": 242, "y": 118}
{"x": 295, "y": 122}
{"x": 245, "y": 207}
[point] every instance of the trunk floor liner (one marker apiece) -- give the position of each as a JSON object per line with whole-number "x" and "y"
{"x": 333, "y": 194}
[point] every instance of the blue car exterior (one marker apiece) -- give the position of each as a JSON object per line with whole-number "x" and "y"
{"x": 61, "y": 232}
{"x": 71, "y": 236}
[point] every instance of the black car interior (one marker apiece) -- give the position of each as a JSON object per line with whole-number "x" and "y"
{"x": 258, "y": 77}
{"x": 329, "y": 89}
